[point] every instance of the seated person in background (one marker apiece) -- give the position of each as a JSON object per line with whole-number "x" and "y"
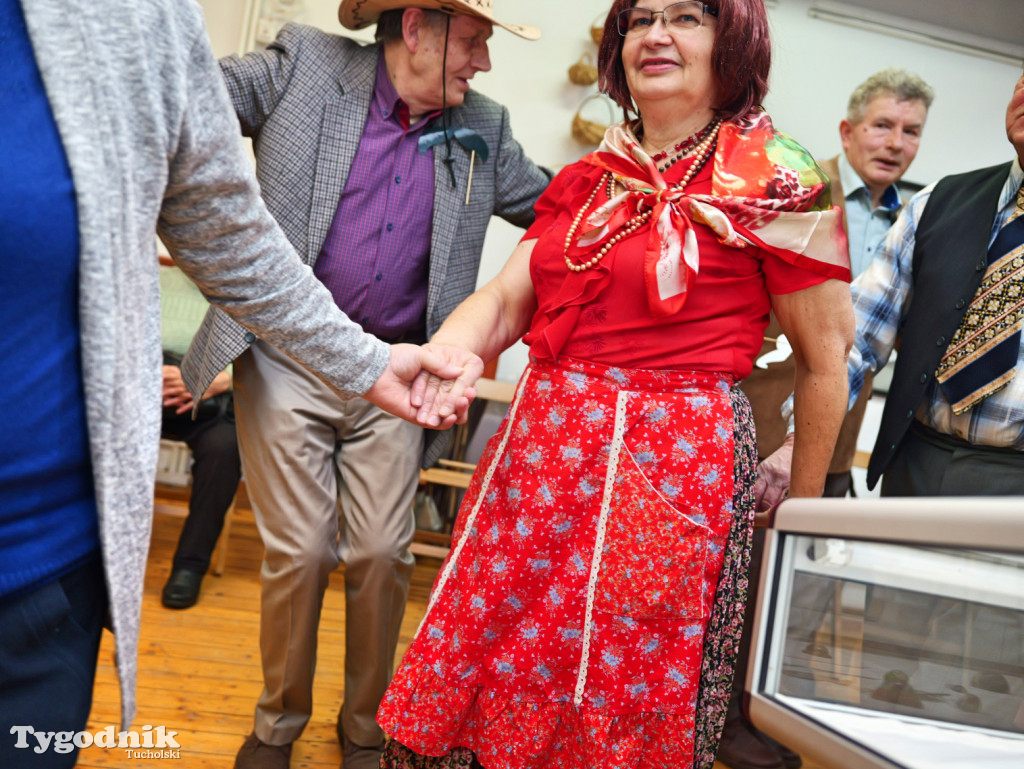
{"x": 216, "y": 467}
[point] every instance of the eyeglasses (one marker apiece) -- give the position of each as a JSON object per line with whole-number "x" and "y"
{"x": 685, "y": 15}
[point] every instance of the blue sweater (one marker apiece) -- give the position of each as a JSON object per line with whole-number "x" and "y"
{"x": 48, "y": 521}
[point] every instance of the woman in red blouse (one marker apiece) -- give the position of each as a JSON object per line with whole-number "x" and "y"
{"x": 589, "y": 611}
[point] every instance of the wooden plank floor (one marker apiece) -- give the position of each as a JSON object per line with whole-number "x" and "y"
{"x": 199, "y": 669}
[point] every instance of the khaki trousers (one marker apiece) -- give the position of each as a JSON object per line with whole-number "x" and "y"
{"x": 330, "y": 481}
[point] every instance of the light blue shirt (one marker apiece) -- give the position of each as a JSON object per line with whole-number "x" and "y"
{"x": 866, "y": 226}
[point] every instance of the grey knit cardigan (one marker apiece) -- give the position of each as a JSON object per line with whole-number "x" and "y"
{"x": 153, "y": 145}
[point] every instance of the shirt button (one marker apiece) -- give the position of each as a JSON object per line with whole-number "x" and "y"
{"x": 924, "y": 378}
{"x": 960, "y": 304}
{"x": 250, "y": 337}
{"x": 940, "y": 341}
{"x": 380, "y": 276}
{"x": 390, "y": 227}
{"x": 398, "y": 180}
{"x": 910, "y": 414}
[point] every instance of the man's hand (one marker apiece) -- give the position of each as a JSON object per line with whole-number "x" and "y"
{"x": 438, "y": 398}
{"x": 176, "y": 395}
{"x": 220, "y": 384}
{"x": 392, "y": 390}
{"x": 772, "y": 484}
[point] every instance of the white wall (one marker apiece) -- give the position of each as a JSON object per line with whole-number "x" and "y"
{"x": 816, "y": 65}
{"x": 224, "y": 20}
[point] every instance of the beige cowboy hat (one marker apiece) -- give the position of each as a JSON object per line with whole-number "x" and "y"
{"x": 356, "y": 14}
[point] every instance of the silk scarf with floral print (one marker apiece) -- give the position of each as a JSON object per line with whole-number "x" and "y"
{"x": 767, "y": 191}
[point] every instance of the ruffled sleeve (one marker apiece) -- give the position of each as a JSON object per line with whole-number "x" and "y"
{"x": 545, "y": 210}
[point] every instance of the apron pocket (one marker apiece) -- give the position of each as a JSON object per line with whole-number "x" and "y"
{"x": 653, "y": 560}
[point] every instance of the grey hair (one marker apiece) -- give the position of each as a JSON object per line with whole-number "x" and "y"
{"x": 893, "y": 81}
{"x": 389, "y": 25}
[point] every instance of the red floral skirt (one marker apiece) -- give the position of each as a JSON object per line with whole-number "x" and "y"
{"x": 569, "y": 626}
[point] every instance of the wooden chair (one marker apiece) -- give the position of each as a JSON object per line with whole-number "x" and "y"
{"x": 455, "y": 474}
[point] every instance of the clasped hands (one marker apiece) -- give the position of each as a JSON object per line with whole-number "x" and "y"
{"x": 177, "y": 396}
{"x": 431, "y": 385}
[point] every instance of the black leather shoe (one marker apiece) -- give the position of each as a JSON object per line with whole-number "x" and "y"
{"x": 182, "y": 589}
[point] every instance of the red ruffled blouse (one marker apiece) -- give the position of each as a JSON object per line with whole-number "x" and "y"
{"x": 601, "y": 314}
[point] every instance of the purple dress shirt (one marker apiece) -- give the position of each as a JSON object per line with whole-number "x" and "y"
{"x": 376, "y": 258}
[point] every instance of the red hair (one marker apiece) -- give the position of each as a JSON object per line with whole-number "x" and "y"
{"x": 740, "y": 59}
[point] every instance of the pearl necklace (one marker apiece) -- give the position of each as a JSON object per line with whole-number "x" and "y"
{"x": 701, "y": 156}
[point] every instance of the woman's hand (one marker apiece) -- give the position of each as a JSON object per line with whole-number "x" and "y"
{"x": 392, "y": 391}
{"x": 435, "y": 398}
{"x": 773, "y": 477}
{"x": 487, "y": 322}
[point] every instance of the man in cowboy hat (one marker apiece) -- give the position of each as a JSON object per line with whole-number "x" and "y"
{"x": 384, "y": 169}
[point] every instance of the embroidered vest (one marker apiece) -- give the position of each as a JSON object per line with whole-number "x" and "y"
{"x": 948, "y": 265}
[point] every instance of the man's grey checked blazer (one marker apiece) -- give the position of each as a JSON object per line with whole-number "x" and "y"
{"x": 304, "y": 101}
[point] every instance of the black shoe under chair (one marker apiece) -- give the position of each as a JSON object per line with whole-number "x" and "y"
{"x": 182, "y": 589}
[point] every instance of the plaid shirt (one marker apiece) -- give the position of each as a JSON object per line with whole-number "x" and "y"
{"x": 881, "y": 300}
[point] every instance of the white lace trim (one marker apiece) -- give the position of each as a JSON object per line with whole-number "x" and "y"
{"x": 602, "y": 524}
{"x": 481, "y": 496}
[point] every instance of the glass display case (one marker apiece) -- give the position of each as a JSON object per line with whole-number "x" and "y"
{"x": 890, "y": 633}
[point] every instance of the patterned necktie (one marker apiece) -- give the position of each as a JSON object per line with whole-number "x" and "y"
{"x": 982, "y": 357}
